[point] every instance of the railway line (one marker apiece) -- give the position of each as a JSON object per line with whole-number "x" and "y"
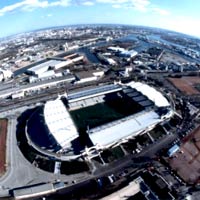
{"x": 43, "y": 95}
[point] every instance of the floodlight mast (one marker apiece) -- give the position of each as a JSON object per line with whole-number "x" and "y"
{"x": 88, "y": 129}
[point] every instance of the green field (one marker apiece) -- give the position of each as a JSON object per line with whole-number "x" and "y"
{"x": 157, "y": 132}
{"x": 113, "y": 108}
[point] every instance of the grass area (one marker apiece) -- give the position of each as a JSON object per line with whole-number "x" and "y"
{"x": 174, "y": 121}
{"x": 132, "y": 144}
{"x": 143, "y": 139}
{"x": 115, "y": 107}
{"x": 73, "y": 167}
{"x": 157, "y": 132}
{"x": 3, "y": 135}
{"x": 117, "y": 152}
{"x": 94, "y": 116}
{"x": 107, "y": 156}
{"x": 113, "y": 154}
{"x": 47, "y": 165}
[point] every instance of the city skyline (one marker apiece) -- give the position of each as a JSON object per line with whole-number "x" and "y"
{"x": 17, "y": 16}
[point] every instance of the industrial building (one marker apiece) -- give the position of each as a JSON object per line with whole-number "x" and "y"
{"x": 87, "y": 76}
{"x": 39, "y": 69}
{"x": 5, "y": 74}
{"x": 123, "y": 52}
{"x": 49, "y": 68}
{"x": 104, "y": 116}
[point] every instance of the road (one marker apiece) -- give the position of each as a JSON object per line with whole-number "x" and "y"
{"x": 158, "y": 145}
{"x": 26, "y": 101}
{"x": 119, "y": 166}
{"x": 20, "y": 172}
{"x": 149, "y": 152}
{"x": 17, "y": 166}
{"x": 43, "y": 95}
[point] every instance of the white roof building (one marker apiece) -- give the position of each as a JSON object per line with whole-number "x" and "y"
{"x": 46, "y": 74}
{"x": 130, "y": 53}
{"x": 6, "y": 73}
{"x": 116, "y": 49}
{"x": 61, "y": 126}
{"x": 59, "y": 122}
{"x": 150, "y": 93}
{"x": 43, "y": 67}
{"x": 123, "y": 52}
{"x": 117, "y": 130}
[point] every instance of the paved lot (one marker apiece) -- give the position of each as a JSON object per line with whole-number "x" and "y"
{"x": 170, "y": 58}
{"x": 186, "y": 162}
{"x": 3, "y": 134}
{"x": 186, "y": 84}
{"x": 22, "y": 173}
{"x": 126, "y": 192}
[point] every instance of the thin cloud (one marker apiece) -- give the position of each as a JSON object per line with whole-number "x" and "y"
{"x": 32, "y": 4}
{"x": 63, "y": 3}
{"x": 116, "y": 6}
{"x": 88, "y": 3}
{"x": 12, "y": 7}
{"x": 139, "y": 5}
{"x": 160, "y": 11}
{"x": 47, "y": 16}
{"x": 112, "y": 1}
{"x": 183, "y": 24}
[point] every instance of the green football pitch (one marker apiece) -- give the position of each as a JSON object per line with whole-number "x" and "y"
{"x": 101, "y": 113}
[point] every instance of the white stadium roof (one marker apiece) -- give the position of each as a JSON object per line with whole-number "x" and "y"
{"x": 59, "y": 122}
{"x": 63, "y": 129}
{"x": 151, "y": 93}
{"x": 43, "y": 67}
{"x": 130, "y": 126}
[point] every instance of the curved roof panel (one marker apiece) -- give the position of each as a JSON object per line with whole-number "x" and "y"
{"x": 117, "y": 130}
{"x": 59, "y": 122}
{"x": 39, "y": 132}
{"x": 151, "y": 93}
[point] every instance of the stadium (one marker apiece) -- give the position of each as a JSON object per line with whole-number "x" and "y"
{"x": 96, "y": 118}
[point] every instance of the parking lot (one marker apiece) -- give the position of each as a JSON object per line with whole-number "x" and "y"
{"x": 186, "y": 162}
{"x": 3, "y": 134}
{"x": 186, "y": 84}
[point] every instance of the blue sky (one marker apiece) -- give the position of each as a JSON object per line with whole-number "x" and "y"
{"x": 18, "y": 16}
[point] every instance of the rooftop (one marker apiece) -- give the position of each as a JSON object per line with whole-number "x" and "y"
{"x": 119, "y": 129}
{"x": 59, "y": 122}
{"x": 186, "y": 161}
{"x": 151, "y": 93}
{"x": 93, "y": 92}
{"x": 45, "y": 65}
